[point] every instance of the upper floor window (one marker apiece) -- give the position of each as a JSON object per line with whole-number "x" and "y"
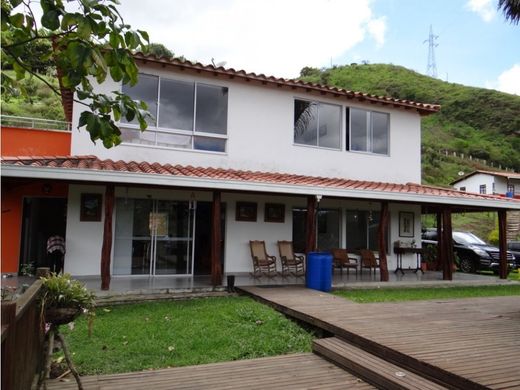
{"x": 187, "y": 115}
{"x": 317, "y": 124}
{"x": 462, "y": 189}
{"x": 367, "y": 131}
{"x": 482, "y": 189}
{"x": 511, "y": 189}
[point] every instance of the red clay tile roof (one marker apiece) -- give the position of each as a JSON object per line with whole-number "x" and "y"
{"x": 230, "y": 73}
{"x": 216, "y": 174}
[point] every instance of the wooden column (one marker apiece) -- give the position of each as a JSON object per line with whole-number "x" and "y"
{"x": 502, "y": 241}
{"x": 440, "y": 241}
{"x": 382, "y": 233}
{"x": 310, "y": 241}
{"x": 447, "y": 238}
{"x": 107, "y": 238}
{"x": 216, "y": 238}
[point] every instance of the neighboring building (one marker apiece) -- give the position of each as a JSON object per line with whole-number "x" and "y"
{"x": 490, "y": 182}
{"x": 232, "y": 157}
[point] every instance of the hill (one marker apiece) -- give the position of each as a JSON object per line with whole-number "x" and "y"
{"x": 477, "y": 122}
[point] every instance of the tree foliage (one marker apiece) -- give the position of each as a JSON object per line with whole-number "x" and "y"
{"x": 88, "y": 41}
{"x": 511, "y": 10}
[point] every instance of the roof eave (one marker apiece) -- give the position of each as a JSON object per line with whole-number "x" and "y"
{"x": 126, "y": 178}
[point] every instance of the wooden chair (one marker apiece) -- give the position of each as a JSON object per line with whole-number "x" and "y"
{"x": 262, "y": 262}
{"x": 291, "y": 263}
{"x": 341, "y": 259}
{"x": 368, "y": 260}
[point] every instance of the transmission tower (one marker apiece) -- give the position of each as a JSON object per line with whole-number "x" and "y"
{"x": 431, "y": 69}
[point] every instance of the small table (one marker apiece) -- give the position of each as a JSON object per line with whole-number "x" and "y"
{"x": 399, "y": 251}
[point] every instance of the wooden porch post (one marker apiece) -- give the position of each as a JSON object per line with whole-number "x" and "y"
{"x": 382, "y": 229}
{"x": 216, "y": 237}
{"x": 447, "y": 270}
{"x": 440, "y": 242}
{"x": 107, "y": 237}
{"x": 310, "y": 242}
{"x": 502, "y": 239}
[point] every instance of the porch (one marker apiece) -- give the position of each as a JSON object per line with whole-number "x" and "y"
{"x": 135, "y": 288}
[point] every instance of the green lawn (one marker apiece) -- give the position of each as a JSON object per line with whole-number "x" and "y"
{"x": 179, "y": 333}
{"x": 421, "y": 293}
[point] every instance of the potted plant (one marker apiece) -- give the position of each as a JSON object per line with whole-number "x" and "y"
{"x": 63, "y": 299}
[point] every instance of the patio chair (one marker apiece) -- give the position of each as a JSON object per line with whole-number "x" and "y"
{"x": 368, "y": 260}
{"x": 341, "y": 259}
{"x": 262, "y": 262}
{"x": 291, "y": 263}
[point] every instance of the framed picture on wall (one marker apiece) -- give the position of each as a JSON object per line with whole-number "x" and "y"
{"x": 274, "y": 212}
{"x": 246, "y": 211}
{"x": 91, "y": 207}
{"x": 406, "y": 224}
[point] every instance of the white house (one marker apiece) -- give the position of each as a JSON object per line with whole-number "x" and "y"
{"x": 234, "y": 156}
{"x": 489, "y": 182}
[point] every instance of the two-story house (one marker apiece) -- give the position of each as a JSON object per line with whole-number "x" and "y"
{"x": 232, "y": 156}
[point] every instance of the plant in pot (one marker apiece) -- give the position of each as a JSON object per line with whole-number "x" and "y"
{"x": 62, "y": 300}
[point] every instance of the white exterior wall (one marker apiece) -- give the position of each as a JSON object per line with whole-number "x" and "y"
{"x": 474, "y": 182}
{"x": 85, "y": 239}
{"x": 260, "y": 137}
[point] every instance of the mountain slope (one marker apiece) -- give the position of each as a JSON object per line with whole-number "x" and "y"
{"x": 473, "y": 121}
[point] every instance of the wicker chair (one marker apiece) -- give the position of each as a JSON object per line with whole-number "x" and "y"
{"x": 341, "y": 259}
{"x": 263, "y": 264}
{"x": 291, "y": 263}
{"x": 368, "y": 260}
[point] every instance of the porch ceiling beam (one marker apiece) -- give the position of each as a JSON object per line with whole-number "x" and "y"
{"x": 235, "y": 185}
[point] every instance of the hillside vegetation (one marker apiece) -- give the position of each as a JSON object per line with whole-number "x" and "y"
{"x": 473, "y": 121}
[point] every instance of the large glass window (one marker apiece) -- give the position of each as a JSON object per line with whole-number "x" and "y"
{"x": 367, "y": 131}
{"x": 317, "y": 124}
{"x": 327, "y": 229}
{"x": 361, "y": 231}
{"x": 186, "y": 115}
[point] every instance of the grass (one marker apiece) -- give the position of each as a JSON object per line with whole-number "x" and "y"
{"x": 179, "y": 333}
{"x": 422, "y": 293}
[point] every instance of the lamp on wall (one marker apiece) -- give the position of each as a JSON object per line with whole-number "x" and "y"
{"x": 46, "y": 188}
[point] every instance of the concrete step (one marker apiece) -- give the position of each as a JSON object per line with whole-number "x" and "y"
{"x": 370, "y": 368}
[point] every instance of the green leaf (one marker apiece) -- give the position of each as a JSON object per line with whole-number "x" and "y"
{"x": 145, "y": 36}
{"x": 15, "y": 3}
{"x": 84, "y": 29}
{"x": 17, "y": 20}
{"x": 50, "y": 20}
{"x": 116, "y": 73}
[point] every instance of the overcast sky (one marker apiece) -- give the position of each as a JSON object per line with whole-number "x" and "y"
{"x": 476, "y": 46}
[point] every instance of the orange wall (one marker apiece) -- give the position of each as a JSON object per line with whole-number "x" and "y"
{"x": 30, "y": 142}
{"x": 12, "y": 208}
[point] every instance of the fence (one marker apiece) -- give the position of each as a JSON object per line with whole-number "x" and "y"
{"x": 469, "y": 157}
{"x": 35, "y": 123}
{"x": 22, "y": 340}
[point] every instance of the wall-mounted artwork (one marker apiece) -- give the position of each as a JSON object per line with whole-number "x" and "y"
{"x": 406, "y": 224}
{"x": 91, "y": 207}
{"x": 246, "y": 211}
{"x": 274, "y": 212}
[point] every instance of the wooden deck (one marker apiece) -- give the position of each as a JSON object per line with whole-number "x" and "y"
{"x": 463, "y": 343}
{"x": 297, "y": 371}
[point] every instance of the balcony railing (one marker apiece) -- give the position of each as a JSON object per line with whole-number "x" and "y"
{"x": 35, "y": 123}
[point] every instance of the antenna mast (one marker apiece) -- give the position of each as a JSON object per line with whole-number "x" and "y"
{"x": 431, "y": 69}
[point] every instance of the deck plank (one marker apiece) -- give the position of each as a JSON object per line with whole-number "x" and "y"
{"x": 473, "y": 340}
{"x": 296, "y": 371}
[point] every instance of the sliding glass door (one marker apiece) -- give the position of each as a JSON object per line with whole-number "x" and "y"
{"x": 154, "y": 237}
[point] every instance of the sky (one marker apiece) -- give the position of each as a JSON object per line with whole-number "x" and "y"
{"x": 476, "y": 46}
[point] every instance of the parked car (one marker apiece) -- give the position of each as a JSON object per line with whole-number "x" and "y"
{"x": 473, "y": 253}
{"x": 514, "y": 248}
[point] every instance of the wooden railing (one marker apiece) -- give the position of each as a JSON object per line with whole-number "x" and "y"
{"x": 22, "y": 339}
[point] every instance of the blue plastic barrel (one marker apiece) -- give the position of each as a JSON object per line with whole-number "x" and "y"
{"x": 319, "y": 271}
